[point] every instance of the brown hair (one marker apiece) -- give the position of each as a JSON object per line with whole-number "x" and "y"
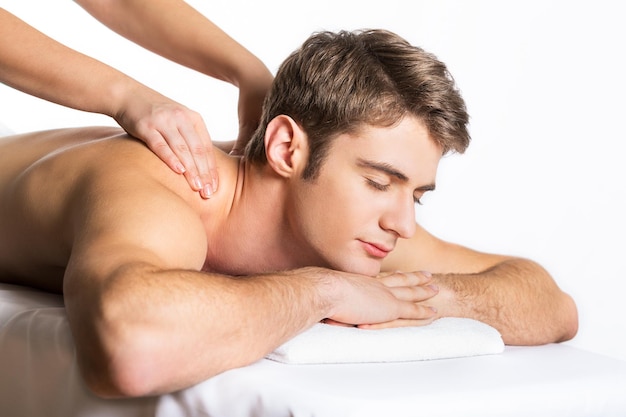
{"x": 336, "y": 82}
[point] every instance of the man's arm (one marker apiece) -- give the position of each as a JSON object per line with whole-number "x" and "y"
{"x": 516, "y": 296}
{"x": 175, "y": 30}
{"x": 144, "y": 319}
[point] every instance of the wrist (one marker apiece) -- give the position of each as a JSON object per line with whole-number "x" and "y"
{"x": 326, "y": 290}
{"x": 446, "y": 301}
{"x": 129, "y": 99}
{"x": 118, "y": 96}
{"x": 251, "y": 73}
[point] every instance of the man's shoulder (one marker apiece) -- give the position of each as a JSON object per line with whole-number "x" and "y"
{"x": 135, "y": 211}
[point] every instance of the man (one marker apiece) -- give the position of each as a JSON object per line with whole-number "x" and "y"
{"x": 164, "y": 289}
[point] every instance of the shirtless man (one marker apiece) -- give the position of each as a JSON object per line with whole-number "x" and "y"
{"x": 164, "y": 289}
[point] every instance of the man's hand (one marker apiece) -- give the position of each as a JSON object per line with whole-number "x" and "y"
{"x": 175, "y": 134}
{"x": 416, "y": 287}
{"x": 390, "y": 300}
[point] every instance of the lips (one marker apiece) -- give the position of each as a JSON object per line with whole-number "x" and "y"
{"x": 377, "y": 250}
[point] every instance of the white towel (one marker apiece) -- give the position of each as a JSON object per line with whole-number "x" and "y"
{"x": 444, "y": 338}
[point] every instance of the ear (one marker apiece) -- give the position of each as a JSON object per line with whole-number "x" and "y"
{"x": 286, "y": 146}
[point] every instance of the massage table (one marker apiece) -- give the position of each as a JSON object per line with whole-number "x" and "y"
{"x": 39, "y": 377}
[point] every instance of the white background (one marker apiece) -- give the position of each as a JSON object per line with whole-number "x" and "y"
{"x": 544, "y": 84}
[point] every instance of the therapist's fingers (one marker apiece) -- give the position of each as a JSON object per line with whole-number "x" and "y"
{"x": 196, "y": 153}
{"x": 175, "y": 133}
{"x": 184, "y": 144}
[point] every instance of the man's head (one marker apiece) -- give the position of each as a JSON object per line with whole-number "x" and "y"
{"x": 338, "y": 82}
{"x": 355, "y": 125}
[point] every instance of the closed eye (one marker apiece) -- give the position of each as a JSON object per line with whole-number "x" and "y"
{"x": 385, "y": 187}
{"x": 376, "y": 185}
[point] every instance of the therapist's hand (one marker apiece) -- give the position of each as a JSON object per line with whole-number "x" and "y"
{"x": 175, "y": 134}
{"x": 252, "y": 92}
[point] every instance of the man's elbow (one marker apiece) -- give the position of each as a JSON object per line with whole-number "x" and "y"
{"x": 569, "y": 318}
{"x": 556, "y": 322}
{"x": 560, "y": 325}
{"x": 114, "y": 385}
{"x": 120, "y": 373}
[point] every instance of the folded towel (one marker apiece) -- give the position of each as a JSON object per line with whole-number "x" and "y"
{"x": 444, "y": 338}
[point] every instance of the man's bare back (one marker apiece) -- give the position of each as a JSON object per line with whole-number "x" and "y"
{"x": 83, "y": 191}
{"x": 44, "y": 176}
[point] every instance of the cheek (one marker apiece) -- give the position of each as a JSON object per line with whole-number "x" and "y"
{"x": 343, "y": 210}
{"x": 330, "y": 207}
{"x": 327, "y": 211}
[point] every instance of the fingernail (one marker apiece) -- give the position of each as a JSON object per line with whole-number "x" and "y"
{"x": 180, "y": 168}
{"x": 434, "y": 287}
{"x": 207, "y": 192}
{"x": 214, "y": 184}
{"x": 428, "y": 274}
{"x": 197, "y": 183}
{"x": 433, "y": 309}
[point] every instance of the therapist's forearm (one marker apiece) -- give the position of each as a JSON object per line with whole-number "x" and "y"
{"x": 175, "y": 30}
{"x": 38, "y": 65}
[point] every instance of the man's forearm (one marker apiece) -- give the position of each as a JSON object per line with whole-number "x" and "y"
{"x": 156, "y": 332}
{"x": 144, "y": 331}
{"x": 517, "y": 297}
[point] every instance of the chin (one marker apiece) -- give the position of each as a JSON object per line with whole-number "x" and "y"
{"x": 367, "y": 267}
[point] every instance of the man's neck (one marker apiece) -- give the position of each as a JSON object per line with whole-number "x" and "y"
{"x": 251, "y": 233}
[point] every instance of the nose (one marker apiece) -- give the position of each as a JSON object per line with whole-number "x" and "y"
{"x": 399, "y": 218}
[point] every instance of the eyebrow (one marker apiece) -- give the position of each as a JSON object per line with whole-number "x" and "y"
{"x": 390, "y": 170}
